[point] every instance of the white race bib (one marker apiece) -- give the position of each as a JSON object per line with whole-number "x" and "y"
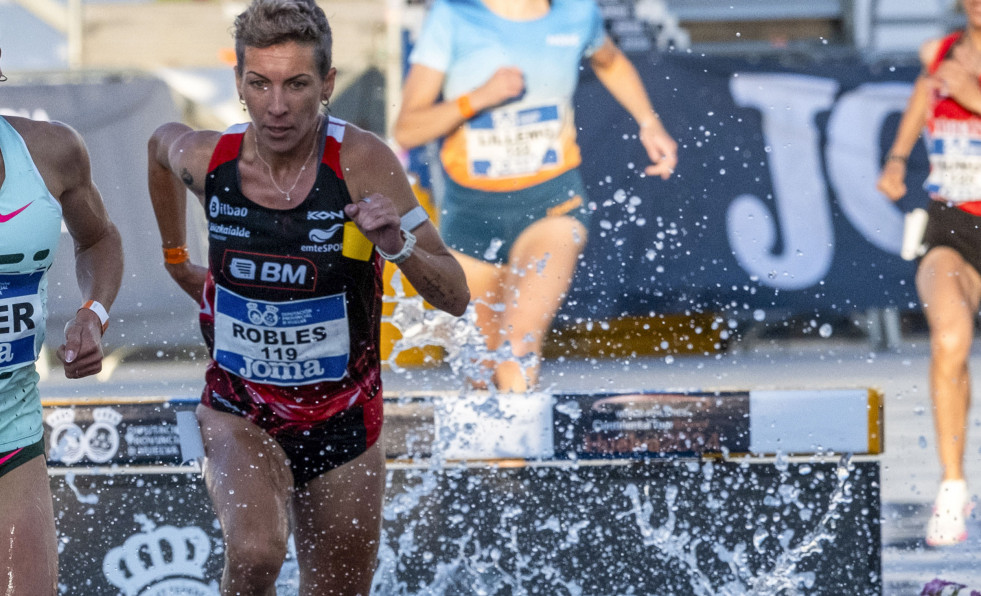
{"x": 514, "y": 141}
{"x": 299, "y": 342}
{"x": 954, "y": 148}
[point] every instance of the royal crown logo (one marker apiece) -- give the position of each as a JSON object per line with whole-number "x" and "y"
{"x": 69, "y": 444}
{"x": 269, "y": 317}
{"x": 164, "y": 561}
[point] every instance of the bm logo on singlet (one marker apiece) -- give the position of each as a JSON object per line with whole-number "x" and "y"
{"x": 270, "y": 271}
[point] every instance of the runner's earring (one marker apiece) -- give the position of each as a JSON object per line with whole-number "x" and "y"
{"x": 3, "y": 78}
{"x": 242, "y": 101}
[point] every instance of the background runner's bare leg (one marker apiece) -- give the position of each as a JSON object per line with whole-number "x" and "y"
{"x": 950, "y": 290}
{"x": 516, "y": 302}
{"x": 485, "y": 281}
{"x": 542, "y": 263}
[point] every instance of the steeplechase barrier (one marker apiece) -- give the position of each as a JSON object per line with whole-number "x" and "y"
{"x": 616, "y": 493}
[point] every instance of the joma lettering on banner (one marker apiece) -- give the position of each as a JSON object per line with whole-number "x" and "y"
{"x": 788, "y": 106}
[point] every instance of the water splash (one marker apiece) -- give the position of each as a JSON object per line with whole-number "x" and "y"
{"x": 92, "y": 499}
{"x": 783, "y": 577}
{"x": 451, "y": 528}
{"x": 465, "y": 347}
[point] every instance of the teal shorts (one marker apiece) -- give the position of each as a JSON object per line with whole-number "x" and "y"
{"x": 21, "y": 419}
{"x": 484, "y": 224}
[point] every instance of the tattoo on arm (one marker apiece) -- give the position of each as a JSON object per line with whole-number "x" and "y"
{"x": 186, "y": 177}
{"x": 433, "y": 284}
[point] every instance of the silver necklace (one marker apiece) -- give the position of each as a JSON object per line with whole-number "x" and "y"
{"x": 303, "y": 168}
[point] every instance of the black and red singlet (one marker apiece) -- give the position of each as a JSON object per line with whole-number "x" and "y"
{"x": 292, "y": 303}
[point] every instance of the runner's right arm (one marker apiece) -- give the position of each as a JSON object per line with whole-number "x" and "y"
{"x": 892, "y": 179}
{"x": 423, "y": 118}
{"x": 177, "y": 162}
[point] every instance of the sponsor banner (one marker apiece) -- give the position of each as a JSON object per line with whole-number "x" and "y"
{"x": 651, "y": 425}
{"x": 602, "y": 529}
{"x": 482, "y": 426}
{"x": 773, "y": 205}
{"x": 114, "y": 434}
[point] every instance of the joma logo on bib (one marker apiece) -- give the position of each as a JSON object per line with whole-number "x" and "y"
{"x": 281, "y": 371}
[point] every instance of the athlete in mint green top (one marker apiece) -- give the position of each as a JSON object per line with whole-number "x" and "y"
{"x": 45, "y": 179}
{"x": 30, "y": 226}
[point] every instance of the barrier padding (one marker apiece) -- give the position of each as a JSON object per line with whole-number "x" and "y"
{"x": 486, "y": 426}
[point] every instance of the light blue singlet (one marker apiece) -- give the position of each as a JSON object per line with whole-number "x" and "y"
{"x": 30, "y": 227}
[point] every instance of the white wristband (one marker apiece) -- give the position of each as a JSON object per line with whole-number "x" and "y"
{"x": 402, "y": 255}
{"x": 414, "y": 218}
{"x": 100, "y": 311}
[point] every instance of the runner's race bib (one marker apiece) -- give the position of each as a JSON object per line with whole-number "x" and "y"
{"x": 21, "y": 319}
{"x": 954, "y": 148}
{"x": 514, "y": 141}
{"x": 299, "y": 342}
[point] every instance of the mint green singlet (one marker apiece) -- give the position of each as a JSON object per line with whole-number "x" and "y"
{"x": 30, "y": 227}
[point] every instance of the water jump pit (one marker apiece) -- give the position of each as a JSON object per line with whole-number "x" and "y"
{"x": 753, "y": 492}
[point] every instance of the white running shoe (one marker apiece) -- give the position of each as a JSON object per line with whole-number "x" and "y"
{"x": 948, "y": 523}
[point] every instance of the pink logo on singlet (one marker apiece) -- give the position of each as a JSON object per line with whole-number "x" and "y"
{"x": 11, "y": 215}
{"x": 3, "y": 460}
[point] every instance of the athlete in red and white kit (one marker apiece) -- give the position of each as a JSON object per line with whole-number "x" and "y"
{"x": 946, "y": 102}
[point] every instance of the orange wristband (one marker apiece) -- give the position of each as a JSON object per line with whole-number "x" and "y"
{"x": 463, "y": 104}
{"x": 175, "y": 256}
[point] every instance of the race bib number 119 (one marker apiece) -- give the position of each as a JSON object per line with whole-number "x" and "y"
{"x": 300, "y": 342}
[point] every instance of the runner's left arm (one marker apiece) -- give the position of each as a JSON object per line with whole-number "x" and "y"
{"x": 615, "y": 71}
{"x": 381, "y": 195}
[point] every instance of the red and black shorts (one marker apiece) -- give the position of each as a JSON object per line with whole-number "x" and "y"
{"x": 311, "y": 448}
{"x": 951, "y": 226}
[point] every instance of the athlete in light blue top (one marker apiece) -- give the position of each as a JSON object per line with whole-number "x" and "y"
{"x": 44, "y": 176}
{"x": 530, "y": 138}
{"x": 496, "y": 79}
{"x": 30, "y": 226}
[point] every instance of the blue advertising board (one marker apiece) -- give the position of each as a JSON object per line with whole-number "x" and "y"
{"x": 773, "y": 205}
